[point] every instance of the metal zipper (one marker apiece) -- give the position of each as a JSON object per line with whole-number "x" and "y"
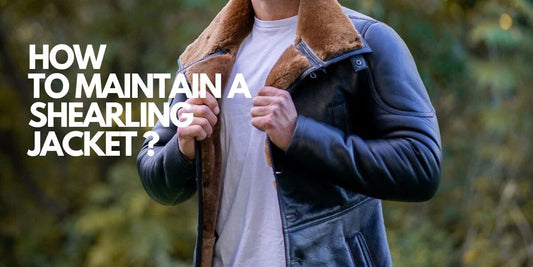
{"x": 218, "y": 51}
{"x": 310, "y": 54}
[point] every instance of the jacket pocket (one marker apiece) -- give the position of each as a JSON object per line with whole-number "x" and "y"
{"x": 337, "y": 109}
{"x": 359, "y": 251}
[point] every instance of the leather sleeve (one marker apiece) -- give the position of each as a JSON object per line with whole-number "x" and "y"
{"x": 166, "y": 176}
{"x": 402, "y": 161}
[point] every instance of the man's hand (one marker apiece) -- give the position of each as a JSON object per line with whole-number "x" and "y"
{"x": 275, "y": 114}
{"x": 204, "y": 111}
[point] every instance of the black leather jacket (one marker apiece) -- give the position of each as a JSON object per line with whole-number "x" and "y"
{"x": 366, "y": 131}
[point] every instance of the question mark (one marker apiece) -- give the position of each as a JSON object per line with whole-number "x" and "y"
{"x": 155, "y": 139}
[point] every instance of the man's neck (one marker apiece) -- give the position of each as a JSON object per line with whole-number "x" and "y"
{"x": 275, "y": 9}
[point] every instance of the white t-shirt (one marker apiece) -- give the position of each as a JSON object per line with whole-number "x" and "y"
{"x": 249, "y": 221}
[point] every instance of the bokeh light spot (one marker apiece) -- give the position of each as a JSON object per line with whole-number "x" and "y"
{"x": 506, "y": 22}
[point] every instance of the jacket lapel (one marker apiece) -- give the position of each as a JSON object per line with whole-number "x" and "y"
{"x": 322, "y": 25}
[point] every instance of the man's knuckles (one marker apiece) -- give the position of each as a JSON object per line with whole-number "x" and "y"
{"x": 264, "y": 122}
{"x": 202, "y": 122}
{"x": 192, "y": 131}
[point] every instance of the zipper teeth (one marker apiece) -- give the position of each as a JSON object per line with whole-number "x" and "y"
{"x": 311, "y": 55}
{"x": 216, "y": 53}
{"x": 316, "y": 62}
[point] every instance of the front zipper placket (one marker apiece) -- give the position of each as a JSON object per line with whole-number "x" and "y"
{"x": 284, "y": 227}
{"x": 218, "y": 51}
{"x": 316, "y": 64}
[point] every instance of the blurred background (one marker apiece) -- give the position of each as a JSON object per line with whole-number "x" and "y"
{"x": 475, "y": 57}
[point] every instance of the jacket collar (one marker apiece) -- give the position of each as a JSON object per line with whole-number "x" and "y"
{"x": 322, "y": 26}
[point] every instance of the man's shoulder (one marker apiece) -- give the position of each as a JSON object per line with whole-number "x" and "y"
{"x": 372, "y": 30}
{"x": 361, "y": 21}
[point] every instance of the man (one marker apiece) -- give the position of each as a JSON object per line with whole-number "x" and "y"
{"x": 347, "y": 120}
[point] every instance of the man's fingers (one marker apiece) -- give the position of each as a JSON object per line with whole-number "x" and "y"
{"x": 257, "y": 123}
{"x": 200, "y": 128}
{"x": 271, "y": 91}
{"x": 191, "y": 132}
{"x": 205, "y": 124}
{"x": 209, "y": 100}
{"x": 202, "y": 111}
{"x": 260, "y": 111}
{"x": 266, "y": 100}
{"x": 262, "y": 123}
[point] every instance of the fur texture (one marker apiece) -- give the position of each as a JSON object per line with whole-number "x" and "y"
{"x": 227, "y": 30}
{"x": 321, "y": 24}
{"x": 325, "y": 28}
{"x": 288, "y": 67}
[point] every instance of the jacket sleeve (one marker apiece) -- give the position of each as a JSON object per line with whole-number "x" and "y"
{"x": 166, "y": 176}
{"x": 402, "y": 161}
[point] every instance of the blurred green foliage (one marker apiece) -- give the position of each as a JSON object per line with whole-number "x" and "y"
{"x": 474, "y": 57}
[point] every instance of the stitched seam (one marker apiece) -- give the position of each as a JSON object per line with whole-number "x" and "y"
{"x": 393, "y": 110}
{"x": 389, "y": 108}
{"x": 350, "y": 249}
{"x": 364, "y": 248}
{"x": 367, "y": 24}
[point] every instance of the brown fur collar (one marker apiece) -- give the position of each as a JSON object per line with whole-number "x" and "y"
{"x": 322, "y": 25}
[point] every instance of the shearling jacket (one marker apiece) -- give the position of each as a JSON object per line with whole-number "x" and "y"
{"x": 366, "y": 131}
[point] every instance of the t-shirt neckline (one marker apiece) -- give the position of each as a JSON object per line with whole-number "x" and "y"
{"x": 280, "y": 23}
